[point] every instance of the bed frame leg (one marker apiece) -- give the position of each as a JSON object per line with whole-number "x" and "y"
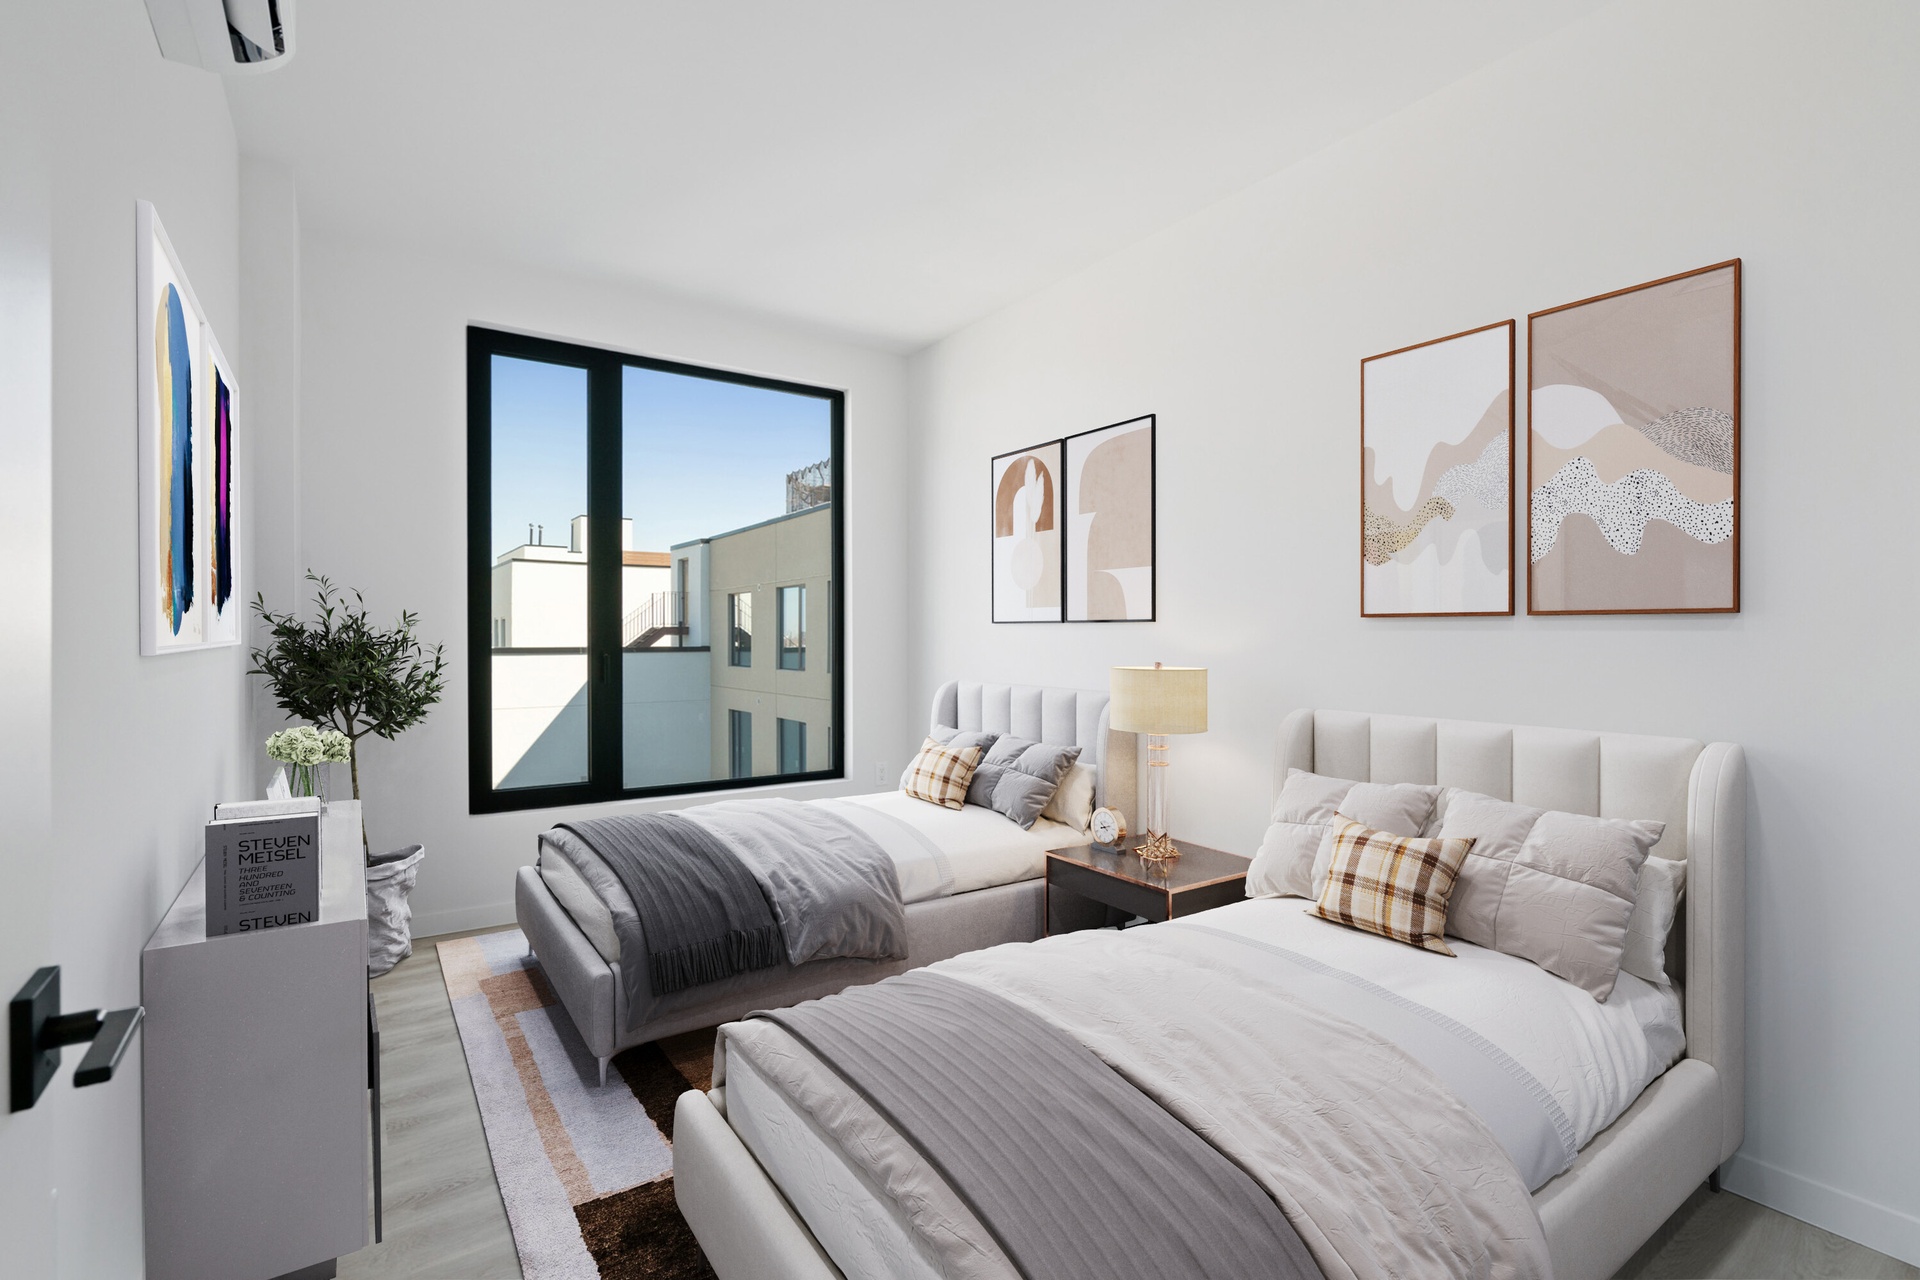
{"x": 603, "y": 1084}
{"x": 1713, "y": 1180}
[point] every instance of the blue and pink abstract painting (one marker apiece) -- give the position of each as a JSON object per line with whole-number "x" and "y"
{"x": 222, "y": 575}
{"x": 173, "y": 367}
{"x": 189, "y": 580}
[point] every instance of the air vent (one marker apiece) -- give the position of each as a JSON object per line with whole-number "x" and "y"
{"x": 233, "y": 37}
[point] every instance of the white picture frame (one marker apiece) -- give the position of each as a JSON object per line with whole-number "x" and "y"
{"x": 171, "y": 338}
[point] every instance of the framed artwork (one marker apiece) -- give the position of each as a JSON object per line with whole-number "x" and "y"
{"x": 171, "y": 363}
{"x": 1633, "y": 449}
{"x": 1110, "y": 523}
{"x": 225, "y": 602}
{"x": 1028, "y": 535}
{"x": 1436, "y": 477}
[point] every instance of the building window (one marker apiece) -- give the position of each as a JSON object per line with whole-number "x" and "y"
{"x": 740, "y": 629}
{"x": 793, "y": 628}
{"x": 793, "y": 746}
{"x": 740, "y": 743}
{"x": 611, "y": 653}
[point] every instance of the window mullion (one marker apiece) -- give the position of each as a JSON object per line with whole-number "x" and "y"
{"x": 604, "y": 576}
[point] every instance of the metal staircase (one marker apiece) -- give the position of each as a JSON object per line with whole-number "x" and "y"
{"x": 663, "y": 615}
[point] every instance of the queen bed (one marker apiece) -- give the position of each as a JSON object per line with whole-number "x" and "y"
{"x": 1586, "y": 1122}
{"x": 968, "y": 879}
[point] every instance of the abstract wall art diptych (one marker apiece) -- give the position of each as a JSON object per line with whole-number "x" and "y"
{"x": 1028, "y": 574}
{"x": 189, "y": 586}
{"x": 172, "y": 380}
{"x": 1634, "y": 449}
{"x": 1436, "y": 477}
{"x": 1110, "y": 523}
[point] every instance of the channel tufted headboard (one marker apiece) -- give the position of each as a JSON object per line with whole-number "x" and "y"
{"x": 1697, "y": 789}
{"x": 1063, "y": 717}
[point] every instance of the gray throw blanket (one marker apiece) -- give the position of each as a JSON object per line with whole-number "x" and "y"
{"x": 1074, "y": 1171}
{"x": 702, "y": 913}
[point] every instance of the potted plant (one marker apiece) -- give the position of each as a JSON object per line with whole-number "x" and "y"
{"x": 343, "y": 673}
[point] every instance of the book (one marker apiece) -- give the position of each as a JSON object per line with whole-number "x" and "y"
{"x": 265, "y": 808}
{"x": 262, "y": 873}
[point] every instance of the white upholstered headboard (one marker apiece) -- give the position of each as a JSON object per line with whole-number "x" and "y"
{"x": 1697, "y": 789}
{"x": 1063, "y": 717}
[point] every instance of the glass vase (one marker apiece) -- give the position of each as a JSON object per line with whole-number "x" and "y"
{"x": 309, "y": 780}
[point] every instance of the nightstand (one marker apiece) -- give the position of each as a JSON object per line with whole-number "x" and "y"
{"x": 1118, "y": 877}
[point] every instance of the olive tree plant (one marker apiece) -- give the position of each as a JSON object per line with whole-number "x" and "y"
{"x": 343, "y": 672}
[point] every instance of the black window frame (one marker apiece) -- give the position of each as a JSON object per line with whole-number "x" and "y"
{"x": 739, "y": 743}
{"x": 605, "y": 375}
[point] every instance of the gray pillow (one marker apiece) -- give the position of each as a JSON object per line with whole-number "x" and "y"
{"x": 959, "y": 740}
{"x": 1017, "y": 777}
{"x": 1554, "y": 888}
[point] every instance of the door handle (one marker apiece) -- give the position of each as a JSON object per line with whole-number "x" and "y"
{"x": 37, "y": 1031}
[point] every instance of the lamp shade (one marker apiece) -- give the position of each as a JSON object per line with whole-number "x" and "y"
{"x": 1158, "y": 699}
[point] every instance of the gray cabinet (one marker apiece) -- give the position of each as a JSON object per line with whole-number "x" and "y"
{"x": 255, "y": 1082}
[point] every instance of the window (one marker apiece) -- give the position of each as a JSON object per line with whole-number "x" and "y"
{"x": 622, "y": 514}
{"x": 793, "y": 746}
{"x": 793, "y": 628}
{"x": 739, "y": 629}
{"x": 740, "y": 743}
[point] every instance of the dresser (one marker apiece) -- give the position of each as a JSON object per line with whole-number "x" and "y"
{"x": 257, "y": 1083}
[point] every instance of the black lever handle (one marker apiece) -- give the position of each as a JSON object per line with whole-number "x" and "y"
{"x": 109, "y": 1046}
{"x": 37, "y": 1031}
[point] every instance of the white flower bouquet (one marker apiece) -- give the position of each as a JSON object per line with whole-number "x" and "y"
{"x": 303, "y": 749}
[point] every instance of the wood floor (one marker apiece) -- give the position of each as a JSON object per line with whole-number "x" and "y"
{"x": 444, "y": 1219}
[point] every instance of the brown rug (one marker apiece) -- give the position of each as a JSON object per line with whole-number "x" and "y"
{"x": 586, "y": 1172}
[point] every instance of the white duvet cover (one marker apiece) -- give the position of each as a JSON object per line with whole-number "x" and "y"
{"x": 936, "y": 852}
{"x": 1594, "y": 1059}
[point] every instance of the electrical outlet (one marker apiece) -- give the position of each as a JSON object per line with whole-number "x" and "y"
{"x": 879, "y": 774}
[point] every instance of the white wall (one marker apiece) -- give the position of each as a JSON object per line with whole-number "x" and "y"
{"x": 28, "y": 1139}
{"x": 384, "y": 501}
{"x": 1648, "y": 139}
{"x": 129, "y": 753}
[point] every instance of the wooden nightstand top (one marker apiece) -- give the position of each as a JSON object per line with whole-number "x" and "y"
{"x": 1197, "y": 866}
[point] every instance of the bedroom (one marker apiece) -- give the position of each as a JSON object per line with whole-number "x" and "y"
{"x": 986, "y": 235}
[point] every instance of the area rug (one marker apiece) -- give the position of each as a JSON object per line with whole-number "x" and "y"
{"x": 586, "y": 1170}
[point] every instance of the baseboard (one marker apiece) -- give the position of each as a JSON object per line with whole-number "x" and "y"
{"x": 428, "y": 924}
{"x": 1876, "y": 1226}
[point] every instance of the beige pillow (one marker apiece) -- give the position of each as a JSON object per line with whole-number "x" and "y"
{"x": 939, "y": 775}
{"x": 1554, "y": 888}
{"x": 1294, "y": 855}
{"x": 1663, "y": 882}
{"x": 1391, "y": 885}
{"x": 1072, "y": 804}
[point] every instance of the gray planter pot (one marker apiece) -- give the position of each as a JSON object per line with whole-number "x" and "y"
{"x": 389, "y": 913}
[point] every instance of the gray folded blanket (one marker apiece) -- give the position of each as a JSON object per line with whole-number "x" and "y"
{"x": 1073, "y": 1169}
{"x": 702, "y": 913}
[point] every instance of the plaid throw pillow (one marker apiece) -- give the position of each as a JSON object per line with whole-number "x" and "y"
{"x": 1394, "y": 886}
{"x": 940, "y": 774}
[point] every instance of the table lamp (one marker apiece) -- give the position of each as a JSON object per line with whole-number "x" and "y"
{"x": 1158, "y": 700}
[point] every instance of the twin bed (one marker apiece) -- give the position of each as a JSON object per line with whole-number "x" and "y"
{"x": 1251, "y": 1090}
{"x": 969, "y": 878}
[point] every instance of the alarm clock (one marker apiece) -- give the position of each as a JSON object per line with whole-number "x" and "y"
{"x": 1109, "y": 826}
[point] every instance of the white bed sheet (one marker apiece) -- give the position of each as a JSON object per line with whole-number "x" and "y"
{"x": 1594, "y": 1058}
{"x": 937, "y": 852}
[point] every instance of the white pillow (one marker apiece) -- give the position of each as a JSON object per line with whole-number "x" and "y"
{"x": 1294, "y": 857}
{"x": 1072, "y": 803}
{"x": 1656, "y": 906}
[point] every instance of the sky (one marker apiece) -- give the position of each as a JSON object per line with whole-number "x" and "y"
{"x": 699, "y": 456}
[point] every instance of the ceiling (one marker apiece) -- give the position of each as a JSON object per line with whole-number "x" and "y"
{"x": 889, "y": 170}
